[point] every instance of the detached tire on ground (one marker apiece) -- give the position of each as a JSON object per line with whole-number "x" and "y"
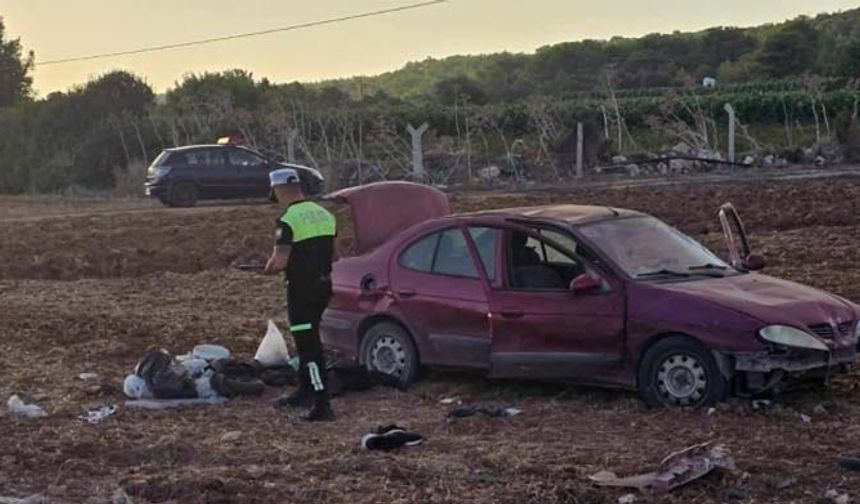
{"x": 679, "y": 371}
{"x": 183, "y": 194}
{"x": 388, "y": 348}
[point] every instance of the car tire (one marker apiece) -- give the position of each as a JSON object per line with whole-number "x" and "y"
{"x": 680, "y": 371}
{"x": 183, "y": 194}
{"x": 388, "y": 348}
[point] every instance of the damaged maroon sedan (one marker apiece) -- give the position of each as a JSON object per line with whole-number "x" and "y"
{"x": 585, "y": 294}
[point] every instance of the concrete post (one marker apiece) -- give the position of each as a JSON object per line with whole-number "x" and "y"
{"x": 579, "y": 149}
{"x": 292, "y": 135}
{"x": 417, "y": 150}
{"x": 732, "y": 122}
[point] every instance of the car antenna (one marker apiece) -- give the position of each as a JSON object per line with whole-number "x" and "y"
{"x": 614, "y": 211}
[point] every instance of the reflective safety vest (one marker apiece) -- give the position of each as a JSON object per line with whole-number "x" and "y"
{"x": 308, "y": 220}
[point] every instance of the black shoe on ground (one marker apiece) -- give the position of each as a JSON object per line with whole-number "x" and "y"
{"x": 389, "y": 438}
{"x": 300, "y": 398}
{"x": 320, "y": 412}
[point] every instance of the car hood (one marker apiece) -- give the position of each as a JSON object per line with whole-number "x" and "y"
{"x": 770, "y": 300}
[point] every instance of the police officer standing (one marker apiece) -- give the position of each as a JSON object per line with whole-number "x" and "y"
{"x": 304, "y": 250}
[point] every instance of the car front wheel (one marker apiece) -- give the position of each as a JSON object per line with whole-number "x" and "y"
{"x": 183, "y": 194}
{"x": 679, "y": 371}
{"x": 387, "y": 348}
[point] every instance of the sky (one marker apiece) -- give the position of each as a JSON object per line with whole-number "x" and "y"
{"x": 57, "y": 29}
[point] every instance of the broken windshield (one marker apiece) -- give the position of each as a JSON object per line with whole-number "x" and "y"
{"x": 645, "y": 247}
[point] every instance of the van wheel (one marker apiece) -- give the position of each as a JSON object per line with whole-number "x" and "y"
{"x": 183, "y": 194}
{"x": 679, "y": 371}
{"x": 387, "y": 348}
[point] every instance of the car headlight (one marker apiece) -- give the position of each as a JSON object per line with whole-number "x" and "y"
{"x": 791, "y": 337}
{"x": 158, "y": 172}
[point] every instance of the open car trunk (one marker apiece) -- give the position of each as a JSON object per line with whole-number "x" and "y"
{"x": 378, "y": 211}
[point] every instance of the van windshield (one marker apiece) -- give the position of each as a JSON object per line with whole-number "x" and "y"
{"x": 645, "y": 247}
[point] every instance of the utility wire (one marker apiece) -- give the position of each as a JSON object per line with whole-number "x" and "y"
{"x": 211, "y": 40}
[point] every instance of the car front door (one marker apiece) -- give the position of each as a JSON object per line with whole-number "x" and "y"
{"x": 439, "y": 288}
{"x": 541, "y": 328}
{"x": 251, "y": 173}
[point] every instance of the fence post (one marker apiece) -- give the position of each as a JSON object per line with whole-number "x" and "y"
{"x": 579, "y": 145}
{"x": 417, "y": 150}
{"x": 292, "y": 135}
{"x": 731, "y": 111}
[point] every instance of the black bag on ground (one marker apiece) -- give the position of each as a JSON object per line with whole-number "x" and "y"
{"x": 164, "y": 377}
{"x": 355, "y": 378}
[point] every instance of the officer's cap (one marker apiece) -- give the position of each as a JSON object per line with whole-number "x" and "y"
{"x": 284, "y": 176}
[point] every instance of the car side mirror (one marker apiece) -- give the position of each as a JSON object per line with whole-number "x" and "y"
{"x": 755, "y": 262}
{"x": 584, "y": 283}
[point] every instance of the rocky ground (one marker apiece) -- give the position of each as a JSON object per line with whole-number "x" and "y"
{"x": 88, "y": 286}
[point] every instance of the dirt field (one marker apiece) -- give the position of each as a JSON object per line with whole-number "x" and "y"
{"x": 89, "y": 286}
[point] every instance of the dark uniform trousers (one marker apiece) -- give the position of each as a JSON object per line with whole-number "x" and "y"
{"x": 305, "y": 306}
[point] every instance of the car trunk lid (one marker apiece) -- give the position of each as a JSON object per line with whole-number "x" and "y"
{"x": 383, "y": 209}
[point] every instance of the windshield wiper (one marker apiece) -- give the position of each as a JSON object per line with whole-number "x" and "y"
{"x": 709, "y": 266}
{"x": 663, "y": 272}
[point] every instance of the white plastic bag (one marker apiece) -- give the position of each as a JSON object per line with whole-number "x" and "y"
{"x": 17, "y": 407}
{"x": 273, "y": 349}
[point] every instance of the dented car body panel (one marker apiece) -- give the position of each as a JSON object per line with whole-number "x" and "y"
{"x": 471, "y": 305}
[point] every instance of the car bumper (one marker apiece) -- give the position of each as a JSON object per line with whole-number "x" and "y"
{"x": 156, "y": 190}
{"x": 795, "y": 360}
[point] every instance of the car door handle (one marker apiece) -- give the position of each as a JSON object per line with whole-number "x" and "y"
{"x": 511, "y": 313}
{"x": 406, "y": 293}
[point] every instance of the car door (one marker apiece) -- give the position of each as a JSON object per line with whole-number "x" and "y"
{"x": 251, "y": 173}
{"x": 439, "y": 289}
{"x": 211, "y": 172}
{"x": 540, "y": 327}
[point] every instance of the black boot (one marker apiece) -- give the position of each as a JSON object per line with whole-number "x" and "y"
{"x": 302, "y": 397}
{"x": 321, "y": 410}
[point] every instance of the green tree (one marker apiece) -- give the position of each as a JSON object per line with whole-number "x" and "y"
{"x": 790, "y": 50}
{"x": 456, "y": 89}
{"x": 16, "y": 83}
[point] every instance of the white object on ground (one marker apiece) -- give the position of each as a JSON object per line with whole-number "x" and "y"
{"x": 273, "y": 349}
{"x": 627, "y": 499}
{"x": 195, "y": 366}
{"x": 513, "y": 411}
{"x": 33, "y": 499}
{"x": 162, "y": 404}
{"x": 204, "y": 388}
{"x": 87, "y": 376}
{"x": 805, "y": 418}
{"x": 210, "y": 352}
{"x": 448, "y": 400}
{"x": 17, "y": 407}
{"x": 135, "y": 387}
{"x": 97, "y": 416}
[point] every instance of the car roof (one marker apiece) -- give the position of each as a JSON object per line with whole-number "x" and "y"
{"x": 209, "y": 146}
{"x": 568, "y": 214}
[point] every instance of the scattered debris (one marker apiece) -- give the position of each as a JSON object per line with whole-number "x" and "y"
{"x": 210, "y": 352}
{"x": 389, "y": 438}
{"x": 449, "y": 400}
{"x": 675, "y": 470}
{"x": 837, "y": 498}
{"x": 33, "y": 499}
{"x": 162, "y": 404}
{"x": 805, "y": 418}
{"x": 231, "y": 436}
{"x": 467, "y": 410}
{"x": 98, "y": 416}
{"x": 850, "y": 463}
{"x": 820, "y": 410}
{"x": 120, "y": 496}
{"x": 87, "y": 376}
{"x": 17, "y": 407}
{"x": 627, "y": 499}
{"x": 761, "y": 404}
{"x": 711, "y": 411}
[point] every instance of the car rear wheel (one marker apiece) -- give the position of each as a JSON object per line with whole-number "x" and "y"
{"x": 183, "y": 194}
{"x": 679, "y": 371}
{"x": 388, "y": 348}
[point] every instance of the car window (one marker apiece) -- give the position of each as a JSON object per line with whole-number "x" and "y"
{"x": 195, "y": 158}
{"x": 453, "y": 256}
{"x": 534, "y": 264}
{"x": 216, "y": 157}
{"x": 553, "y": 255}
{"x": 244, "y": 158}
{"x": 419, "y": 256}
{"x": 485, "y": 242}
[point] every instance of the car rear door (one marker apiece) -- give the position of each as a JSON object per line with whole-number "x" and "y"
{"x": 251, "y": 173}
{"x": 439, "y": 289}
{"x": 544, "y": 330}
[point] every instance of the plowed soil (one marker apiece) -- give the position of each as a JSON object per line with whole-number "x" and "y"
{"x": 89, "y": 286}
